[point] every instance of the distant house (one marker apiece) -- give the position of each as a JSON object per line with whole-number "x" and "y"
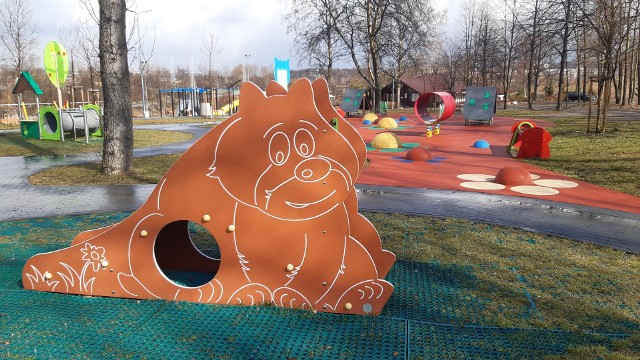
{"x": 412, "y": 87}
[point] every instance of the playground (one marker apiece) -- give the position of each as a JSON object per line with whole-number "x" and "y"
{"x": 457, "y": 165}
{"x": 461, "y": 290}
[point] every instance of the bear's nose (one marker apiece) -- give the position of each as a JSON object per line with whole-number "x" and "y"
{"x": 312, "y": 169}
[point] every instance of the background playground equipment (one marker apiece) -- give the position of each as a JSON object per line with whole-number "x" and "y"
{"x": 534, "y": 143}
{"x": 199, "y": 101}
{"x": 434, "y": 107}
{"x": 479, "y": 105}
{"x": 26, "y": 83}
{"x": 228, "y": 109}
{"x": 354, "y": 100}
{"x": 300, "y": 244}
{"x": 53, "y": 122}
{"x": 56, "y": 65}
{"x": 517, "y": 130}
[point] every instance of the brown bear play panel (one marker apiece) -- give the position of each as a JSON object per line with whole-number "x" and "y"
{"x": 274, "y": 185}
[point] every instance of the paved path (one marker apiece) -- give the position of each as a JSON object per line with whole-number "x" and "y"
{"x": 620, "y": 230}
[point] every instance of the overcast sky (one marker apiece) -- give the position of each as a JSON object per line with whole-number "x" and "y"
{"x": 244, "y": 27}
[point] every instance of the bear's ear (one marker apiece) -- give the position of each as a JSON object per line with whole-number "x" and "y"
{"x": 250, "y": 93}
{"x": 302, "y": 92}
{"x": 274, "y": 88}
{"x": 320, "y": 88}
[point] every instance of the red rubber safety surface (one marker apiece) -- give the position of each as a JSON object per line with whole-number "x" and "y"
{"x": 453, "y": 155}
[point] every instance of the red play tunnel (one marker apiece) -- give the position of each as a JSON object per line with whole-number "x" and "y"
{"x": 430, "y": 110}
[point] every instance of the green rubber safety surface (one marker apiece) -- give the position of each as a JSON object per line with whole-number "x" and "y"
{"x": 396, "y": 150}
{"x": 405, "y": 147}
{"x": 437, "y": 311}
{"x": 438, "y": 341}
{"x": 400, "y": 127}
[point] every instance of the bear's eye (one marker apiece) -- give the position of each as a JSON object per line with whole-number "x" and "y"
{"x": 279, "y": 148}
{"x": 304, "y": 143}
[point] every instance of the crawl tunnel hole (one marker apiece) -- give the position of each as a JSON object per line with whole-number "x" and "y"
{"x": 187, "y": 253}
{"x": 434, "y": 106}
{"x": 50, "y": 122}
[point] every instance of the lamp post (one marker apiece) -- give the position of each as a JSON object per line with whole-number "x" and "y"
{"x": 247, "y": 57}
{"x": 143, "y": 64}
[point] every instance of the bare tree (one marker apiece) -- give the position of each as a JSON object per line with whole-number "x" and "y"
{"x": 17, "y": 33}
{"x": 533, "y": 29}
{"x": 452, "y": 59}
{"x": 567, "y": 28}
{"x": 366, "y": 27}
{"x": 80, "y": 39}
{"x": 114, "y": 69}
{"x": 211, "y": 51}
{"x": 407, "y": 42}
{"x": 317, "y": 40}
{"x": 509, "y": 40}
{"x": 469, "y": 19}
{"x": 607, "y": 20}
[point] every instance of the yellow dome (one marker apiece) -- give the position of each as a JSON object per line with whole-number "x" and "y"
{"x": 386, "y": 140}
{"x": 370, "y": 116}
{"x": 387, "y": 123}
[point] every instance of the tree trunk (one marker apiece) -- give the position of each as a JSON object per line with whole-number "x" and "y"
{"x": 617, "y": 84}
{"x": 532, "y": 53}
{"x": 117, "y": 151}
{"x": 638, "y": 73}
{"x": 563, "y": 55}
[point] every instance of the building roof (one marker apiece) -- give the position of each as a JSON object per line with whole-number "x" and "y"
{"x": 25, "y": 82}
{"x": 429, "y": 83}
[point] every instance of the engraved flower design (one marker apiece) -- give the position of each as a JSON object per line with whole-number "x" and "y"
{"x": 93, "y": 255}
{"x": 540, "y": 187}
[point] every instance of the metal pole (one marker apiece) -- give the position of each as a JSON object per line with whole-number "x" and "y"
{"x": 60, "y": 120}
{"x": 86, "y": 127}
{"x": 173, "y": 108}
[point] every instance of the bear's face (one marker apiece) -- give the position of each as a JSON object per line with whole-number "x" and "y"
{"x": 279, "y": 155}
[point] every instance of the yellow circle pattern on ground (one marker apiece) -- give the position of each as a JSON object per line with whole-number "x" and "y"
{"x": 535, "y": 190}
{"x": 476, "y": 177}
{"x": 482, "y": 185}
{"x": 560, "y": 184}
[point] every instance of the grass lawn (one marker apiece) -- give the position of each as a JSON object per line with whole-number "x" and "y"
{"x": 147, "y": 121}
{"x": 12, "y": 144}
{"x": 145, "y": 171}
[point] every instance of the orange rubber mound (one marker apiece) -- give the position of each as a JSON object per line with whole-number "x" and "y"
{"x": 418, "y": 154}
{"x": 513, "y": 176}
